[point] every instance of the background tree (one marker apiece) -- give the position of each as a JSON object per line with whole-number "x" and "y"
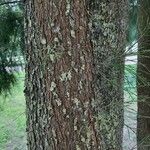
{"x": 10, "y": 45}
{"x": 143, "y": 76}
{"x": 59, "y": 66}
{"x": 132, "y": 22}
{"x": 109, "y": 26}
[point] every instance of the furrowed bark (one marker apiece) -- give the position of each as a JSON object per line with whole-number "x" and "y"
{"x": 143, "y": 76}
{"x": 59, "y": 68}
{"x": 108, "y": 29}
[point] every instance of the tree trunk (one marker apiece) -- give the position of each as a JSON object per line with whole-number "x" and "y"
{"x": 143, "y": 76}
{"x": 109, "y": 25}
{"x": 58, "y": 84}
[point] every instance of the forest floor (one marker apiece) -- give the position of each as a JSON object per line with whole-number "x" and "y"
{"x": 130, "y": 124}
{"x": 12, "y": 118}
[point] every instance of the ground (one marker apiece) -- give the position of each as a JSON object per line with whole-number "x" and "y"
{"x": 12, "y": 118}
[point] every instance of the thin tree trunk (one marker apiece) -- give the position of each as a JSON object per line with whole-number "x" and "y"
{"x": 143, "y": 76}
{"x": 109, "y": 25}
{"x": 59, "y": 77}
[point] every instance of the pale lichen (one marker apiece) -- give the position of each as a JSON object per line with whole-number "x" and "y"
{"x": 64, "y": 111}
{"x": 68, "y": 94}
{"x": 73, "y": 33}
{"x": 83, "y": 139}
{"x": 76, "y": 101}
{"x": 66, "y": 76}
{"x": 68, "y": 7}
{"x": 58, "y": 101}
{"x": 56, "y": 39}
{"x": 77, "y": 147}
{"x": 52, "y": 53}
{"x": 53, "y": 86}
{"x": 75, "y": 128}
{"x": 43, "y": 41}
{"x": 69, "y": 75}
{"x": 63, "y": 76}
{"x": 69, "y": 53}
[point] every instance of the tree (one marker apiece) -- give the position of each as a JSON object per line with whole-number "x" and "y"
{"x": 10, "y": 45}
{"x": 143, "y": 76}
{"x": 132, "y": 25}
{"x": 59, "y": 76}
{"x": 109, "y": 25}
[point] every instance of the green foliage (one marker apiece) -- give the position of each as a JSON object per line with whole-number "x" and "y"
{"x": 6, "y": 81}
{"x": 11, "y": 24}
{"x": 132, "y": 28}
{"x": 130, "y": 76}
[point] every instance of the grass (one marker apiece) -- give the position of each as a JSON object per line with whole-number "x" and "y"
{"x": 12, "y": 117}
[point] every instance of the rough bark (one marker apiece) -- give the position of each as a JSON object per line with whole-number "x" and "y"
{"x": 58, "y": 84}
{"x": 143, "y": 76}
{"x": 108, "y": 26}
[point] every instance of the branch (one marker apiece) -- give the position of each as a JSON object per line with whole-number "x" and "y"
{"x": 11, "y": 2}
